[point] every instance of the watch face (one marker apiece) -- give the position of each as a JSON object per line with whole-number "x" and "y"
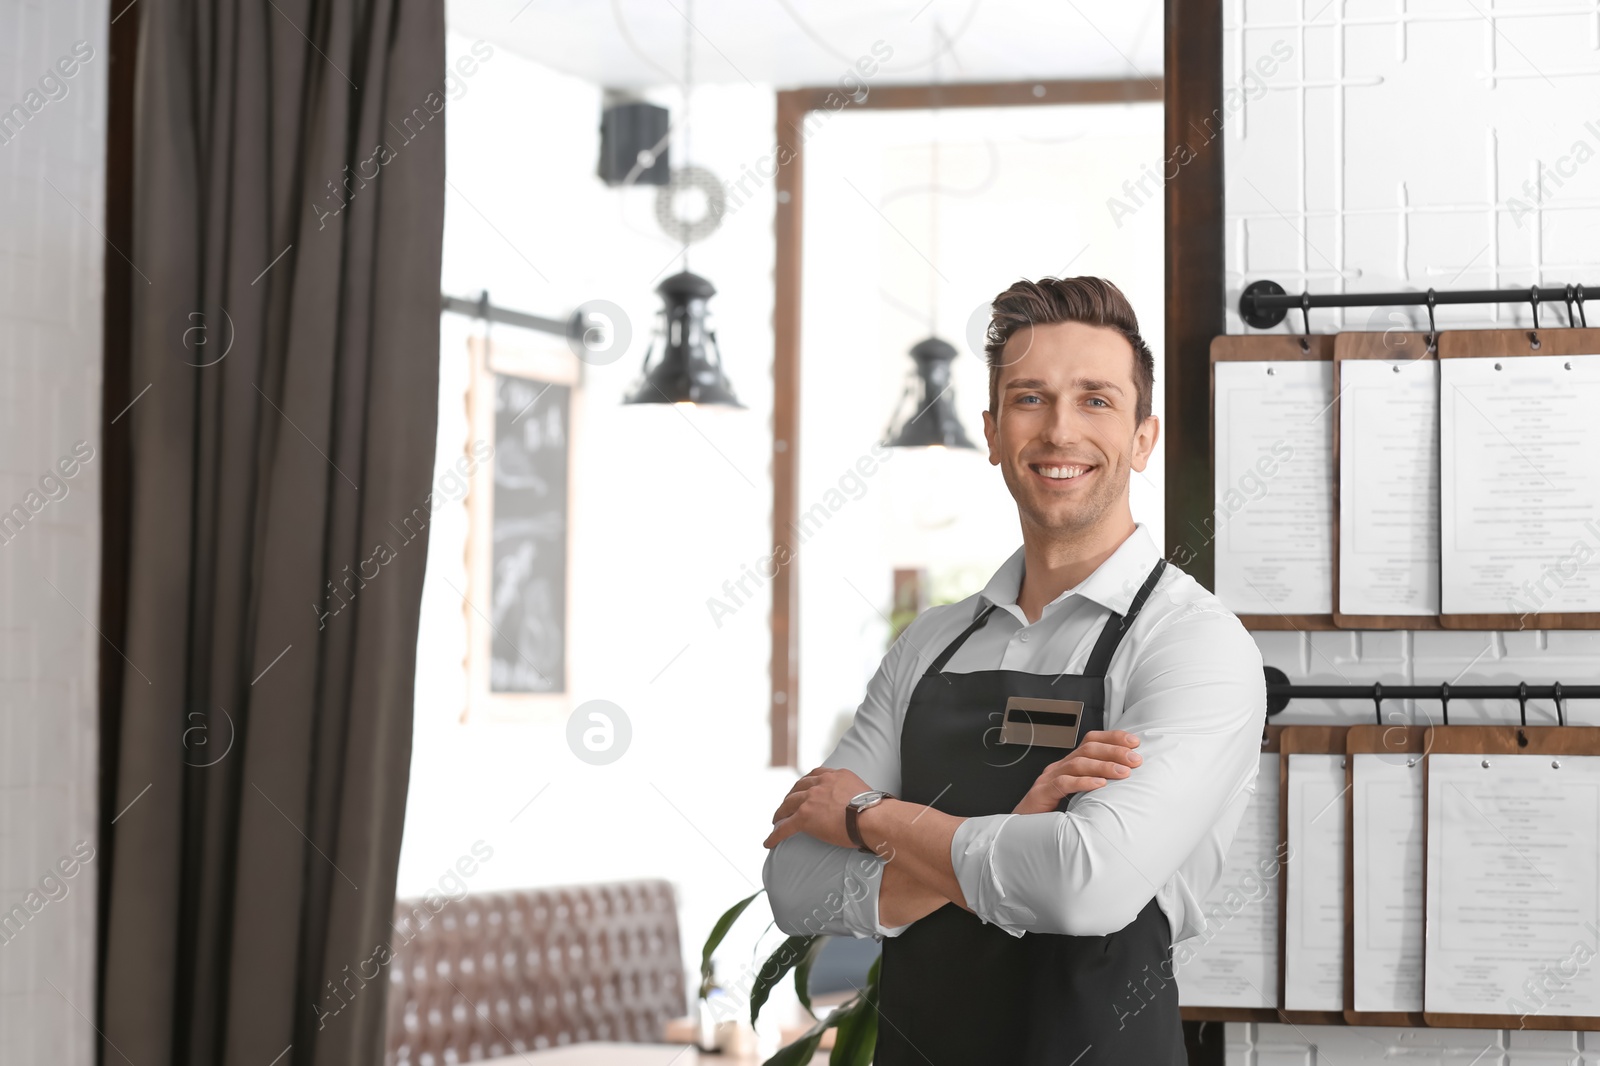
{"x": 858, "y": 800}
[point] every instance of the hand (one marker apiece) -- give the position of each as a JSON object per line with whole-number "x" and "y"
{"x": 815, "y": 805}
{"x": 1104, "y": 755}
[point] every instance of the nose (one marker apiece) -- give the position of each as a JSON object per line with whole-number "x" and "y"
{"x": 1066, "y": 426}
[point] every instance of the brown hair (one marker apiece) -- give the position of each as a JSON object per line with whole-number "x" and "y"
{"x": 1092, "y": 301}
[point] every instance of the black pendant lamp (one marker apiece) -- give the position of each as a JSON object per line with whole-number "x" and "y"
{"x": 932, "y": 419}
{"x": 689, "y": 369}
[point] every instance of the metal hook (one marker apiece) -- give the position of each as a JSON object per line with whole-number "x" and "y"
{"x": 1444, "y": 701}
{"x": 1561, "y": 712}
{"x": 483, "y": 312}
{"x": 1577, "y": 295}
{"x": 1567, "y": 295}
{"x": 1433, "y": 331}
{"x": 1533, "y": 298}
{"x": 1377, "y": 701}
{"x": 1522, "y": 700}
{"x": 1305, "y": 317}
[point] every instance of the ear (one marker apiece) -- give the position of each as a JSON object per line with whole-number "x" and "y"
{"x": 1144, "y": 442}
{"x": 991, "y": 434}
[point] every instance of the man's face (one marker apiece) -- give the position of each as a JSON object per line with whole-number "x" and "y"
{"x": 1065, "y": 438}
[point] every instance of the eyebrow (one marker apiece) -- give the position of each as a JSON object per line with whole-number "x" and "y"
{"x": 1086, "y": 384}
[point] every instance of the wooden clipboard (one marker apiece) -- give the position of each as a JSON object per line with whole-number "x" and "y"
{"x": 1302, "y": 740}
{"x": 1509, "y": 740}
{"x": 1511, "y": 344}
{"x": 1386, "y": 345}
{"x": 1268, "y": 347}
{"x": 1382, "y": 740}
{"x": 1271, "y": 741}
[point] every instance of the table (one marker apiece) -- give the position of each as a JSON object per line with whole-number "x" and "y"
{"x": 608, "y": 1054}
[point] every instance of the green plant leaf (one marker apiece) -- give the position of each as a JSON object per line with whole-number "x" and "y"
{"x": 790, "y": 952}
{"x": 799, "y": 1053}
{"x": 857, "y": 1039}
{"x": 719, "y": 931}
{"x": 802, "y": 973}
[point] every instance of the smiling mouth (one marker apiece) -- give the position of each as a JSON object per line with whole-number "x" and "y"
{"x": 1060, "y": 474}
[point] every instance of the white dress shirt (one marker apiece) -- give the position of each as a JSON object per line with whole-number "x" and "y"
{"x": 1186, "y": 679}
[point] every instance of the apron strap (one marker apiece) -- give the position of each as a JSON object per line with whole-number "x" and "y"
{"x": 937, "y": 666}
{"x": 1117, "y": 625}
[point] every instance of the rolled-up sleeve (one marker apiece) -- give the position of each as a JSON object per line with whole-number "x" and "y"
{"x": 816, "y": 888}
{"x": 1196, "y": 698}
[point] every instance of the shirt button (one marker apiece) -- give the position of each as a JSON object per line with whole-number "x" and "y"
{"x": 1023, "y": 638}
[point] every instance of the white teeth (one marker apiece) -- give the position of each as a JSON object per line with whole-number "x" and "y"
{"x": 1062, "y": 472}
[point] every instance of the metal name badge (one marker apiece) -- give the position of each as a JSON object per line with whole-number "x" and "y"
{"x": 1045, "y": 723}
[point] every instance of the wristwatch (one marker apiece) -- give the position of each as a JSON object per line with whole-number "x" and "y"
{"x": 852, "y": 812}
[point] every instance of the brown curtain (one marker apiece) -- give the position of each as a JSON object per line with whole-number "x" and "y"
{"x": 287, "y": 211}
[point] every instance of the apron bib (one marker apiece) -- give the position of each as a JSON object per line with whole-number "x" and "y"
{"x": 955, "y": 991}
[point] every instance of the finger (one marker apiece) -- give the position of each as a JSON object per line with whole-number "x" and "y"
{"x": 1068, "y": 784}
{"x": 809, "y": 781}
{"x": 1094, "y": 751}
{"x": 1120, "y": 737}
{"x": 1096, "y": 768}
{"x": 790, "y": 804}
{"x": 781, "y": 832}
{"x": 1110, "y": 752}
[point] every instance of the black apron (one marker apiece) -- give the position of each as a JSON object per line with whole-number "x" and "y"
{"x": 956, "y": 991}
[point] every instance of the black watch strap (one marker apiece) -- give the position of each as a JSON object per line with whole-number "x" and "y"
{"x": 852, "y": 825}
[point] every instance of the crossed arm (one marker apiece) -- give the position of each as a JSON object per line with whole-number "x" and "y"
{"x": 914, "y": 841}
{"x": 1194, "y": 709}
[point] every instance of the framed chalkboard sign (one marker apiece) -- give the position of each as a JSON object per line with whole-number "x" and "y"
{"x": 523, "y": 401}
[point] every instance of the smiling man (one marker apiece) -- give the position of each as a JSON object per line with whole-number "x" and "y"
{"x": 1044, "y": 778}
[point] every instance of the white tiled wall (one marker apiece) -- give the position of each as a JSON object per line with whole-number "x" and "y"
{"x": 1413, "y": 143}
{"x": 52, "y": 176}
{"x": 1390, "y": 151}
{"x": 1326, "y": 1045}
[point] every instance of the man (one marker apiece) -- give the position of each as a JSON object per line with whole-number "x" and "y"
{"x": 1043, "y": 780}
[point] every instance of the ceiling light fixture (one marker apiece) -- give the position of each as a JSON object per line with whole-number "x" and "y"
{"x": 689, "y": 369}
{"x": 934, "y": 423}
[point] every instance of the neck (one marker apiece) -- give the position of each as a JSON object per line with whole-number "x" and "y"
{"x": 1055, "y": 562}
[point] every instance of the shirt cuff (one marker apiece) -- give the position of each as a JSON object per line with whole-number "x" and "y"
{"x": 972, "y": 856}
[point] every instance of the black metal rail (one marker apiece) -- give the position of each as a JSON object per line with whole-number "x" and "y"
{"x": 1280, "y": 692}
{"x": 482, "y": 308}
{"x": 1264, "y": 304}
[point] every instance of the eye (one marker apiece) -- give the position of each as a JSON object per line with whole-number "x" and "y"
{"x": 1101, "y": 400}
{"x": 1030, "y": 396}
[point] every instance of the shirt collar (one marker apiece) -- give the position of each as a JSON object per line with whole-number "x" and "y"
{"x": 1113, "y": 584}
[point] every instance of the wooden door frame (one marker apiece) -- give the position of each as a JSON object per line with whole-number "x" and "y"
{"x": 794, "y": 107}
{"x": 1196, "y": 288}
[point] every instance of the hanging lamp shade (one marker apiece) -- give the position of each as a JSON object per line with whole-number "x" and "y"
{"x": 932, "y": 419}
{"x": 689, "y": 369}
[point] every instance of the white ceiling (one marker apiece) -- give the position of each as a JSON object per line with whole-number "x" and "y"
{"x": 634, "y": 44}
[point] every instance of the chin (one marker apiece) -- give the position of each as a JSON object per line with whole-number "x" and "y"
{"x": 1061, "y": 519}
{"x": 1076, "y": 521}
{"x": 1075, "y": 517}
